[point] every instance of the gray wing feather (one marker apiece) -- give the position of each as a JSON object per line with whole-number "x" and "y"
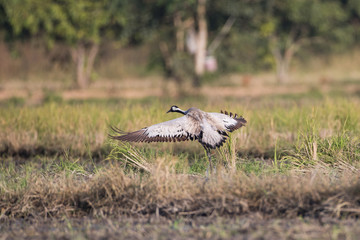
{"x": 211, "y": 137}
{"x": 172, "y": 130}
{"x": 228, "y": 122}
{"x": 214, "y": 128}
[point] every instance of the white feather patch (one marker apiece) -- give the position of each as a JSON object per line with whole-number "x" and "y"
{"x": 210, "y": 134}
{"x": 223, "y": 120}
{"x": 169, "y": 128}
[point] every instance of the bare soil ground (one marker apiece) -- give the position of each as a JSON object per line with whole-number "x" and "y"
{"x": 134, "y": 88}
{"x": 252, "y": 226}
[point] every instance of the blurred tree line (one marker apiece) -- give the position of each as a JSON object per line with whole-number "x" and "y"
{"x": 190, "y": 37}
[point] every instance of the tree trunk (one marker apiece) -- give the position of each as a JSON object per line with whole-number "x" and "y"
{"x": 221, "y": 35}
{"x": 169, "y": 68}
{"x": 84, "y": 63}
{"x": 94, "y": 49}
{"x": 200, "y": 54}
{"x": 80, "y": 66}
{"x": 283, "y": 61}
{"x": 282, "y": 71}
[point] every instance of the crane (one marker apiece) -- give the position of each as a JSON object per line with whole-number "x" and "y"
{"x": 209, "y": 128}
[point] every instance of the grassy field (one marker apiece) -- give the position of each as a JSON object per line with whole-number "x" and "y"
{"x": 292, "y": 172}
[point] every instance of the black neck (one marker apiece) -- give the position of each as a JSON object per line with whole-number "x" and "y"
{"x": 180, "y": 111}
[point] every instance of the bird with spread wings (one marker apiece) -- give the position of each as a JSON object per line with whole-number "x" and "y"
{"x": 210, "y": 129}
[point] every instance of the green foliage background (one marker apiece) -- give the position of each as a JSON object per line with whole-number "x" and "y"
{"x": 330, "y": 26}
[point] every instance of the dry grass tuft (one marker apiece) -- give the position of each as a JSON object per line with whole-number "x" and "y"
{"x": 163, "y": 193}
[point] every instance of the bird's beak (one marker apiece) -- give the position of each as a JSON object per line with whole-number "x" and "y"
{"x": 168, "y": 111}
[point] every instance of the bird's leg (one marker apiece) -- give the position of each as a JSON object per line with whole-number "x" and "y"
{"x": 209, "y": 156}
{"x": 209, "y": 169}
{"x": 212, "y": 169}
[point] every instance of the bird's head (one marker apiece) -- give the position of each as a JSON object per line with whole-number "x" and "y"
{"x": 175, "y": 108}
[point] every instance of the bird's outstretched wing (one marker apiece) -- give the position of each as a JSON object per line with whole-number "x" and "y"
{"x": 210, "y": 136}
{"x": 172, "y": 130}
{"x": 214, "y": 127}
{"x": 229, "y": 121}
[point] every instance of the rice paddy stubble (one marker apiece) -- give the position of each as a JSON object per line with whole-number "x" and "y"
{"x": 315, "y": 173}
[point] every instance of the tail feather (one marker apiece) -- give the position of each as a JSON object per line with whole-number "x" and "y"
{"x": 240, "y": 120}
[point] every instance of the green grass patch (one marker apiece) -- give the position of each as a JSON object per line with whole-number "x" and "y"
{"x": 286, "y": 134}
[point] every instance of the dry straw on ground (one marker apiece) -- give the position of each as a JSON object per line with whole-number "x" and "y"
{"x": 163, "y": 193}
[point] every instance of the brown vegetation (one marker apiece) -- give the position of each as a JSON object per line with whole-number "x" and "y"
{"x": 293, "y": 172}
{"x": 163, "y": 193}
